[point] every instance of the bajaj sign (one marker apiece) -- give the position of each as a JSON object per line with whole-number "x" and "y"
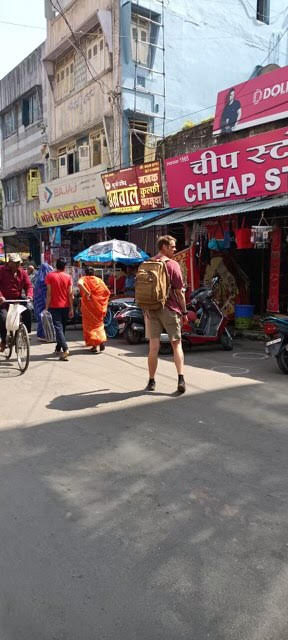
{"x": 254, "y": 102}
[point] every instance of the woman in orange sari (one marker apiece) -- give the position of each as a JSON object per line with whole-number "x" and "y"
{"x": 94, "y": 302}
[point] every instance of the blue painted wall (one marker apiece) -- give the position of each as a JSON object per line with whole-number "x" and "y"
{"x": 209, "y": 46}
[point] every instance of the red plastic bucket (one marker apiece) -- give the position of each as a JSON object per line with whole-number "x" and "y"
{"x": 243, "y": 238}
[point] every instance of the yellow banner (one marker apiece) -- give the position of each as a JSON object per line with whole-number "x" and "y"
{"x": 68, "y": 214}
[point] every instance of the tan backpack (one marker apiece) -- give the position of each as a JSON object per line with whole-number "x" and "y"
{"x": 152, "y": 285}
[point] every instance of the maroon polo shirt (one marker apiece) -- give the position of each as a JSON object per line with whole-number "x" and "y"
{"x": 12, "y": 284}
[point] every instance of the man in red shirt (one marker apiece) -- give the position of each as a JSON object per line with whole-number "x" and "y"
{"x": 13, "y": 280}
{"x": 59, "y": 302}
{"x": 168, "y": 318}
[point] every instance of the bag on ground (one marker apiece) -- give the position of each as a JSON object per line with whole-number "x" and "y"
{"x": 152, "y": 285}
{"x": 48, "y": 326}
{"x": 13, "y": 317}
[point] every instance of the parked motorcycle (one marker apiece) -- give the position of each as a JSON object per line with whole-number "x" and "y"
{"x": 131, "y": 324}
{"x": 206, "y": 322}
{"x": 110, "y": 322}
{"x": 277, "y": 347}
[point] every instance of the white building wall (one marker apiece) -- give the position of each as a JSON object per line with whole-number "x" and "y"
{"x": 213, "y": 44}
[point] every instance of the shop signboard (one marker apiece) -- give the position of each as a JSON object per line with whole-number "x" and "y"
{"x": 122, "y": 190}
{"x": 69, "y": 214}
{"x": 243, "y": 169}
{"x": 78, "y": 187}
{"x": 150, "y": 185}
{"x": 259, "y": 100}
{"x": 137, "y": 188}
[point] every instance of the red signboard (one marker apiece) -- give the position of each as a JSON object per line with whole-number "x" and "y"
{"x": 134, "y": 189}
{"x": 150, "y": 185}
{"x": 274, "y": 279}
{"x": 248, "y": 168}
{"x": 262, "y": 99}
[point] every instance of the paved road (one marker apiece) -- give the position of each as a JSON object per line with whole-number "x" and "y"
{"x": 131, "y": 516}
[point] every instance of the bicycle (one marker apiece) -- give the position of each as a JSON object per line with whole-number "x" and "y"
{"x": 19, "y": 340}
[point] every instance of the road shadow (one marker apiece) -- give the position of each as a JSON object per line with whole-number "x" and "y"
{"x": 167, "y": 520}
{"x": 97, "y": 397}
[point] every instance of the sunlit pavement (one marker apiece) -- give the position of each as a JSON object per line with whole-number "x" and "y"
{"x": 134, "y": 516}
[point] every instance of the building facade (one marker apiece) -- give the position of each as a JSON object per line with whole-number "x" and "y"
{"x": 115, "y": 78}
{"x": 23, "y": 118}
{"x": 175, "y": 56}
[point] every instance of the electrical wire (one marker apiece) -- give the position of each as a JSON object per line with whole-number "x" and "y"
{"x": 113, "y": 95}
{"x": 62, "y": 13}
{"x": 100, "y": 83}
{"x": 18, "y": 24}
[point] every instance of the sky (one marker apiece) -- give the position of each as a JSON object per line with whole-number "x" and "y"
{"x": 16, "y": 42}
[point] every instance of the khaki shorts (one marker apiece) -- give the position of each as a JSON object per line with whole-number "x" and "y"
{"x": 163, "y": 320}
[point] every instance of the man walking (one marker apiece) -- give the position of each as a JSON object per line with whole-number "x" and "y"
{"x": 59, "y": 302}
{"x": 169, "y": 317}
{"x": 13, "y": 280}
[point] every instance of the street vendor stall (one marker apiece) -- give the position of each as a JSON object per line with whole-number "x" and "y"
{"x": 112, "y": 252}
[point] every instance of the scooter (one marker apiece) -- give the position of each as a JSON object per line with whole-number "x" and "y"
{"x": 277, "y": 347}
{"x": 206, "y": 322}
{"x": 131, "y": 324}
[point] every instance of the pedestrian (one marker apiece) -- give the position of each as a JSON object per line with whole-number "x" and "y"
{"x": 59, "y": 302}
{"x": 13, "y": 281}
{"x": 94, "y": 302}
{"x": 130, "y": 282}
{"x": 32, "y": 273}
{"x": 169, "y": 316}
{"x": 40, "y": 294}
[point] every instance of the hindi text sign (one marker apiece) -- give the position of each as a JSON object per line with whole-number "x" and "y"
{"x": 67, "y": 214}
{"x": 150, "y": 185}
{"x": 248, "y": 168}
{"x": 137, "y": 188}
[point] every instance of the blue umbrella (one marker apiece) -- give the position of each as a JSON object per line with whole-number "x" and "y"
{"x": 113, "y": 251}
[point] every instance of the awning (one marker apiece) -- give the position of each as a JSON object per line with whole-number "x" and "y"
{"x": 168, "y": 219}
{"x": 117, "y": 220}
{"x": 227, "y": 209}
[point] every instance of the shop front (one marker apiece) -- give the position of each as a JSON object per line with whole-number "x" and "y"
{"x": 236, "y": 217}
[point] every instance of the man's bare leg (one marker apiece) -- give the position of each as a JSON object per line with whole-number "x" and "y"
{"x": 178, "y": 356}
{"x": 154, "y": 345}
{"x": 179, "y": 363}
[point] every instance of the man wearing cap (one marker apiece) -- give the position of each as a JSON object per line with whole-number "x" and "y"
{"x": 13, "y": 280}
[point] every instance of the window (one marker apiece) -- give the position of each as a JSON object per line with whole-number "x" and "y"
{"x": 140, "y": 39}
{"x": 98, "y": 146}
{"x": 97, "y": 55}
{"x": 138, "y": 135}
{"x": 33, "y": 181}
{"x": 263, "y": 11}
{"x": 84, "y": 157}
{"x": 11, "y": 190}
{"x": 64, "y": 77}
{"x": 62, "y": 166}
{"x": 31, "y": 111}
{"x": 9, "y": 123}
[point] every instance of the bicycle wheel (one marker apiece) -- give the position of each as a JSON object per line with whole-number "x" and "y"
{"x": 112, "y": 329}
{"x": 9, "y": 347}
{"x": 22, "y": 346}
